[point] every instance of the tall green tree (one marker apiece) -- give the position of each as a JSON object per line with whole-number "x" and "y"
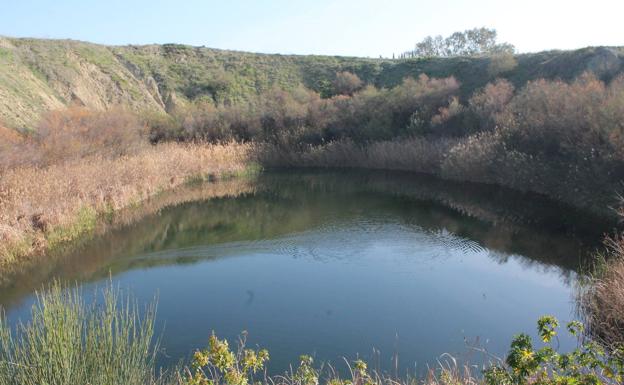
{"x": 472, "y": 42}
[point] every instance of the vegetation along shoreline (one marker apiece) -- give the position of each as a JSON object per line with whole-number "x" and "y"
{"x": 89, "y": 131}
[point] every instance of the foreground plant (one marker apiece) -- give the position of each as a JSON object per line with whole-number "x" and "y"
{"x": 71, "y": 342}
{"x": 107, "y": 342}
{"x": 588, "y": 364}
{"x": 218, "y": 364}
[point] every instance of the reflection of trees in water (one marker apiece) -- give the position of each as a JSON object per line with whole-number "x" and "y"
{"x": 276, "y": 207}
{"x": 502, "y": 219}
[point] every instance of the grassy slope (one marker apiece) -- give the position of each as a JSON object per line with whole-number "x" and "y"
{"x": 37, "y": 75}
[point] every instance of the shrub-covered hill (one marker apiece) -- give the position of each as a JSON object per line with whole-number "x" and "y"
{"x": 37, "y": 75}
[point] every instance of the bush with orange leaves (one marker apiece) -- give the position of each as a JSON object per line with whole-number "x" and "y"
{"x": 71, "y": 134}
{"x": 10, "y": 140}
{"x": 78, "y": 132}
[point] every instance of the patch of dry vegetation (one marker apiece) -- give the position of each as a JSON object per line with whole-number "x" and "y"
{"x": 602, "y": 302}
{"x": 82, "y": 164}
{"x": 549, "y": 137}
{"x": 413, "y": 154}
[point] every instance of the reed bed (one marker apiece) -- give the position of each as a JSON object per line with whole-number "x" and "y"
{"x": 44, "y": 207}
{"x": 602, "y": 301}
{"x": 412, "y": 154}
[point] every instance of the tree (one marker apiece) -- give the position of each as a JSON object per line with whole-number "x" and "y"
{"x": 472, "y": 42}
{"x": 430, "y": 46}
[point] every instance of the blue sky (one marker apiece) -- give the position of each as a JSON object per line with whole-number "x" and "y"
{"x": 348, "y": 27}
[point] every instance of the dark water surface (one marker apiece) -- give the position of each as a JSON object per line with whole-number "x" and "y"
{"x": 340, "y": 264}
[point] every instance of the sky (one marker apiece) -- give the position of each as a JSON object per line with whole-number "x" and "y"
{"x": 350, "y": 27}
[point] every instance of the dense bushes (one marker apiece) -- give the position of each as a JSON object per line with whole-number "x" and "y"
{"x": 487, "y": 104}
{"x": 347, "y": 83}
{"x": 550, "y": 137}
{"x": 582, "y": 120}
{"x": 299, "y": 116}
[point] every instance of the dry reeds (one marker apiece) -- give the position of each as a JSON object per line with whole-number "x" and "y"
{"x": 603, "y": 300}
{"x": 41, "y": 207}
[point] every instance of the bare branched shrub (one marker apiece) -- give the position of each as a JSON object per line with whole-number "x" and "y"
{"x": 78, "y": 132}
{"x": 9, "y": 136}
{"x": 560, "y": 119}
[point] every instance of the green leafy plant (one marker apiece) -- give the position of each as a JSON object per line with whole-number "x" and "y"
{"x": 588, "y": 363}
{"x": 218, "y": 364}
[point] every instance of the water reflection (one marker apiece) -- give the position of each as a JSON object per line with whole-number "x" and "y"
{"x": 507, "y": 223}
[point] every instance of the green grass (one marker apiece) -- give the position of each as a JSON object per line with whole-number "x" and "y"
{"x": 69, "y": 341}
{"x": 6, "y": 54}
{"x": 81, "y": 226}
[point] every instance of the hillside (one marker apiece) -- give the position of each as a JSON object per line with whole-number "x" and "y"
{"x": 37, "y": 75}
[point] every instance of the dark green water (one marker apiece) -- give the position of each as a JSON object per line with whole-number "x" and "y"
{"x": 343, "y": 264}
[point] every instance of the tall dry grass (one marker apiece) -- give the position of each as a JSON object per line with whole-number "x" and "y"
{"x": 413, "y": 154}
{"x": 603, "y": 301}
{"x": 43, "y": 207}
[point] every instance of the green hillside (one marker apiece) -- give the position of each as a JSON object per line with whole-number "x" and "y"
{"x": 38, "y": 75}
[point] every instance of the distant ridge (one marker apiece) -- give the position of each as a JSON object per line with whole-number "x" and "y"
{"x": 37, "y": 75}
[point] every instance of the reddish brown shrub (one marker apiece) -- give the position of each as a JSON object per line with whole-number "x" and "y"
{"x": 9, "y": 136}
{"x": 347, "y": 83}
{"x": 78, "y": 132}
{"x": 16, "y": 149}
{"x": 488, "y": 103}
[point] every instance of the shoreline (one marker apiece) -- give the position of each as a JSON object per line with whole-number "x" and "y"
{"x": 35, "y": 223}
{"x": 41, "y": 239}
